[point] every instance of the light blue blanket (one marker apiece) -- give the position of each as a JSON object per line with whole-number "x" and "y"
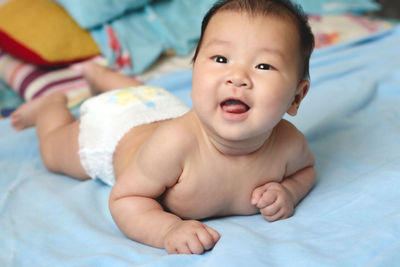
{"x": 351, "y": 118}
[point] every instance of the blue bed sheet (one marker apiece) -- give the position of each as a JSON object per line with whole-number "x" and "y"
{"x": 351, "y": 118}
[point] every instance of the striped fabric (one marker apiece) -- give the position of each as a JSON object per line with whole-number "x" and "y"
{"x": 29, "y": 81}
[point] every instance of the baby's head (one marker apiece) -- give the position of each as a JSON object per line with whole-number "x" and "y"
{"x": 283, "y": 9}
{"x": 250, "y": 67}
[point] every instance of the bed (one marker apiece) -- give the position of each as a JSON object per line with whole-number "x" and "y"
{"x": 351, "y": 217}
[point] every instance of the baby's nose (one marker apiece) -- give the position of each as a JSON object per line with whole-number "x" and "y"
{"x": 237, "y": 83}
{"x": 239, "y": 78}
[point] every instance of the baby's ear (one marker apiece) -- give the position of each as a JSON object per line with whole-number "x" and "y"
{"x": 301, "y": 91}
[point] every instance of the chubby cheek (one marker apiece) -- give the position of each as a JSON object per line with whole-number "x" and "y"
{"x": 197, "y": 99}
{"x": 203, "y": 93}
{"x": 199, "y": 103}
{"x": 275, "y": 103}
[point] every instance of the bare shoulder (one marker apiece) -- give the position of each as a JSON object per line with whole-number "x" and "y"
{"x": 158, "y": 163}
{"x": 294, "y": 146}
{"x": 286, "y": 130}
{"x": 174, "y": 135}
{"x": 167, "y": 147}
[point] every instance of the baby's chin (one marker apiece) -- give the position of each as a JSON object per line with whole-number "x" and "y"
{"x": 240, "y": 139}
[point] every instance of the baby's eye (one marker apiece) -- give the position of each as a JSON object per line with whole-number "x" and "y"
{"x": 264, "y": 67}
{"x": 220, "y": 59}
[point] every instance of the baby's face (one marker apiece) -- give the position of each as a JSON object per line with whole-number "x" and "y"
{"x": 246, "y": 74}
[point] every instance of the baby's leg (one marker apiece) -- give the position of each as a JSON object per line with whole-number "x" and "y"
{"x": 58, "y": 137}
{"x": 102, "y": 79}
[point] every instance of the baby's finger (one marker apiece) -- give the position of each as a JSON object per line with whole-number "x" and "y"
{"x": 213, "y": 233}
{"x": 183, "y": 248}
{"x": 257, "y": 194}
{"x": 195, "y": 246}
{"x": 171, "y": 250}
{"x": 208, "y": 237}
{"x": 266, "y": 200}
{"x": 270, "y": 210}
{"x": 274, "y": 217}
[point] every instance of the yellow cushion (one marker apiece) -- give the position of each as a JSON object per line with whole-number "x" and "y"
{"x": 42, "y": 32}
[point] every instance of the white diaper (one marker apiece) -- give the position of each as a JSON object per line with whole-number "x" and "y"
{"x": 106, "y": 118}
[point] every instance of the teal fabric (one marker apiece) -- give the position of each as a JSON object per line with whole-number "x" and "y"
{"x": 9, "y": 100}
{"x": 323, "y": 7}
{"x": 145, "y": 29}
{"x": 92, "y": 13}
{"x": 145, "y": 34}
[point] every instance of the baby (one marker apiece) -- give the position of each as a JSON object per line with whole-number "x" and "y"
{"x": 232, "y": 154}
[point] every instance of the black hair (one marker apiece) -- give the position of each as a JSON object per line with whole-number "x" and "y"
{"x": 282, "y": 8}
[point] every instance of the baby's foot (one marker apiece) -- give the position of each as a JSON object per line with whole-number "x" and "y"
{"x": 85, "y": 67}
{"x": 94, "y": 75}
{"x": 25, "y": 115}
{"x": 102, "y": 79}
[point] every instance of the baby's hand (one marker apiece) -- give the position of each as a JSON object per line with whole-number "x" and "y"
{"x": 274, "y": 201}
{"x": 190, "y": 237}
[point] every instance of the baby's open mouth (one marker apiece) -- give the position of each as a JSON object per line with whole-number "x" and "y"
{"x": 234, "y": 106}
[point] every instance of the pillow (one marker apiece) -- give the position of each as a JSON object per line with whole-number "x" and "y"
{"x": 92, "y": 13}
{"x": 30, "y": 81}
{"x": 42, "y": 32}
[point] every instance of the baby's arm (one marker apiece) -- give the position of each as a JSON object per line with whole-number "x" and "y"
{"x": 139, "y": 216}
{"x": 278, "y": 200}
